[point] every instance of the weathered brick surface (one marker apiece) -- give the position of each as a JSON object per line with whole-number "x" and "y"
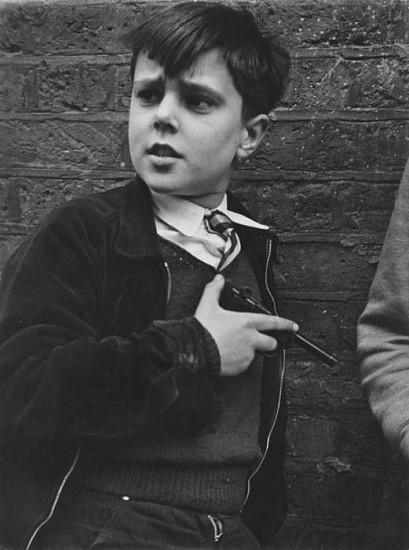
{"x": 73, "y": 28}
{"x": 7, "y": 245}
{"x": 66, "y": 28}
{"x": 325, "y": 178}
{"x": 306, "y": 23}
{"x": 330, "y": 389}
{"x": 330, "y": 322}
{"x": 335, "y": 268}
{"x": 337, "y": 82}
{"x": 326, "y": 205}
{"x": 50, "y": 143}
{"x": 28, "y": 200}
{"x": 334, "y": 145}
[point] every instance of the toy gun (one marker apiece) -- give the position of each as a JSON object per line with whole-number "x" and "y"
{"x": 239, "y": 300}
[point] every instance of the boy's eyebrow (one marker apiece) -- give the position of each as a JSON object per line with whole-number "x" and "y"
{"x": 149, "y": 81}
{"x": 185, "y": 85}
{"x": 201, "y": 88}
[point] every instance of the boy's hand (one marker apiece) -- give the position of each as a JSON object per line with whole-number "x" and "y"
{"x": 238, "y": 335}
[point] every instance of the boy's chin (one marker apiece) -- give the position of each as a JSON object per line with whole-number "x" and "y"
{"x": 165, "y": 183}
{"x": 158, "y": 187}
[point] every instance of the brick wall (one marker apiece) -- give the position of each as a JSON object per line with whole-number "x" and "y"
{"x": 325, "y": 177}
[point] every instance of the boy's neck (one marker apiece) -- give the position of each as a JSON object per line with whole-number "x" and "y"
{"x": 209, "y": 201}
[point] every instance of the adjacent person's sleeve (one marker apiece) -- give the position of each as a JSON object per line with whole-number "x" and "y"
{"x": 57, "y": 377}
{"x": 383, "y": 329}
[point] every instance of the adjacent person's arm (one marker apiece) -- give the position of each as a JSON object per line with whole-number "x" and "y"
{"x": 383, "y": 329}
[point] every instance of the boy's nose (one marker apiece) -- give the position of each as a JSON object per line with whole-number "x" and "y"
{"x": 166, "y": 114}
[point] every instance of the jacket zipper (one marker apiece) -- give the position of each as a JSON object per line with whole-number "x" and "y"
{"x": 56, "y": 499}
{"x": 281, "y": 382}
{"x": 169, "y": 281}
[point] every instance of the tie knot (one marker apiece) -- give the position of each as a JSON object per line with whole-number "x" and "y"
{"x": 220, "y": 223}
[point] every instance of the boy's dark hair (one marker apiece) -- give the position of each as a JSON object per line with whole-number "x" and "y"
{"x": 175, "y": 35}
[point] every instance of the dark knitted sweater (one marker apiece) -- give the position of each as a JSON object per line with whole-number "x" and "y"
{"x": 174, "y": 460}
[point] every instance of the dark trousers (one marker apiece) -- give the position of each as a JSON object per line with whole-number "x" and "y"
{"x": 98, "y": 521}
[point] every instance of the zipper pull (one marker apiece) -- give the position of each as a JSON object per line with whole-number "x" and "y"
{"x": 217, "y": 525}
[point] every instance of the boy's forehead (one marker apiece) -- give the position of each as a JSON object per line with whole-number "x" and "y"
{"x": 208, "y": 68}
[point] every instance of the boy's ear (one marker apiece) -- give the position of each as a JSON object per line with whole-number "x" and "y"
{"x": 253, "y": 133}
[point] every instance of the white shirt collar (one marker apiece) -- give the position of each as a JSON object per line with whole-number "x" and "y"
{"x": 187, "y": 216}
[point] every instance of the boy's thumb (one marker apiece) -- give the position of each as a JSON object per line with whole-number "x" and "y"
{"x": 214, "y": 289}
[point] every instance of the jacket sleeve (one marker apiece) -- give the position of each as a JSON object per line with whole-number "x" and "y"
{"x": 383, "y": 329}
{"x": 57, "y": 378}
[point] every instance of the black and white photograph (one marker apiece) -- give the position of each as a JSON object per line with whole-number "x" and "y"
{"x": 204, "y": 274}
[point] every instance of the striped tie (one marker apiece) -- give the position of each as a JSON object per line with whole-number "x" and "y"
{"x": 217, "y": 222}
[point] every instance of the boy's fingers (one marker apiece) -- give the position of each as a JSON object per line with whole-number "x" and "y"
{"x": 268, "y": 323}
{"x": 266, "y": 343}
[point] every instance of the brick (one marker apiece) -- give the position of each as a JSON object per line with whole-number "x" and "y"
{"x": 340, "y": 457}
{"x": 81, "y": 87}
{"x": 380, "y": 84}
{"x": 7, "y": 247}
{"x": 123, "y": 89}
{"x": 318, "y": 320}
{"x": 10, "y": 210}
{"x": 345, "y": 498}
{"x": 56, "y": 87}
{"x": 61, "y": 28}
{"x": 326, "y": 205}
{"x": 311, "y": 383}
{"x": 305, "y": 23}
{"x": 331, "y": 145}
{"x": 371, "y": 535}
{"x": 38, "y": 196}
{"x": 324, "y": 266}
{"x": 338, "y": 83}
{"x": 29, "y": 200}
{"x": 311, "y": 438}
{"x": 352, "y": 444}
{"x": 64, "y": 28}
{"x": 373, "y": 509}
{"x": 318, "y": 83}
{"x": 17, "y": 88}
{"x": 331, "y": 324}
{"x": 315, "y": 536}
{"x": 53, "y": 143}
{"x": 352, "y": 499}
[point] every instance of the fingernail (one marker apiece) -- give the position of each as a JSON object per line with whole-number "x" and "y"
{"x": 296, "y": 328}
{"x": 218, "y": 277}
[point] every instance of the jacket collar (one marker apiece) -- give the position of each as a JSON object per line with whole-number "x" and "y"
{"x": 137, "y": 236}
{"x": 254, "y": 239}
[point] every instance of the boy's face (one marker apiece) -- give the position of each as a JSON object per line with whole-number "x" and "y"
{"x": 185, "y": 132}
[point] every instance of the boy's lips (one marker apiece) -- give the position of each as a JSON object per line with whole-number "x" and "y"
{"x": 163, "y": 150}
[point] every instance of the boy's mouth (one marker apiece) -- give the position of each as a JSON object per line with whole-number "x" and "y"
{"x": 163, "y": 150}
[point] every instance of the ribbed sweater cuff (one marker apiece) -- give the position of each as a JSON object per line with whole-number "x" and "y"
{"x": 210, "y": 348}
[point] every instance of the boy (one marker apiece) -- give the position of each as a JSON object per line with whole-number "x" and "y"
{"x": 136, "y": 412}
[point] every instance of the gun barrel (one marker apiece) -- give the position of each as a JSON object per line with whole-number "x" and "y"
{"x": 302, "y": 341}
{"x": 299, "y": 339}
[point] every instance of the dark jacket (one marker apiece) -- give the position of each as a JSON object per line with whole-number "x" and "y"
{"x": 83, "y": 356}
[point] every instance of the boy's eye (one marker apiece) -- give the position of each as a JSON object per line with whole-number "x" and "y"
{"x": 148, "y": 96}
{"x": 199, "y": 103}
